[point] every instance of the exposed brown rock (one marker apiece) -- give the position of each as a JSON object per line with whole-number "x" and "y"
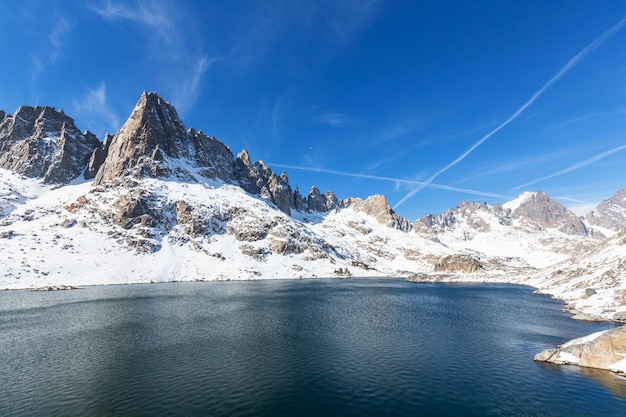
{"x": 153, "y": 142}
{"x": 601, "y": 352}
{"x": 465, "y": 263}
{"x": 378, "y": 207}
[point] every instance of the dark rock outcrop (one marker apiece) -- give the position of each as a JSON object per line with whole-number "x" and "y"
{"x": 298, "y": 201}
{"x": 611, "y": 213}
{"x": 97, "y": 157}
{"x": 258, "y": 178}
{"x": 317, "y": 201}
{"x": 546, "y": 212}
{"x": 153, "y": 142}
{"x": 41, "y": 142}
{"x": 280, "y": 190}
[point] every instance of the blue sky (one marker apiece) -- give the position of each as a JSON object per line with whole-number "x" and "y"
{"x": 426, "y": 102}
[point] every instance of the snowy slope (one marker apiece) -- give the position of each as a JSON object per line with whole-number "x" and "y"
{"x": 172, "y": 204}
{"x": 593, "y": 284}
{"x": 75, "y": 235}
{"x": 15, "y": 190}
{"x": 501, "y": 231}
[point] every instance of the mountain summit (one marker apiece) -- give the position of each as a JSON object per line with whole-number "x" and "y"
{"x": 169, "y": 203}
{"x": 42, "y": 142}
{"x": 153, "y": 142}
{"x": 542, "y": 210}
{"x": 610, "y": 214}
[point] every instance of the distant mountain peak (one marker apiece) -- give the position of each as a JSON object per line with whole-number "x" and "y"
{"x": 610, "y": 214}
{"x": 534, "y": 210}
{"x": 544, "y": 211}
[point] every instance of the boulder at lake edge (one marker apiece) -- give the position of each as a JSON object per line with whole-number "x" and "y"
{"x": 602, "y": 350}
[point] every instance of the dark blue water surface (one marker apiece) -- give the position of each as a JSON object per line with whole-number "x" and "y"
{"x": 358, "y": 347}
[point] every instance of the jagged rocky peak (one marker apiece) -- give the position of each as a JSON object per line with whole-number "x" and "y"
{"x": 298, "y": 200}
{"x": 610, "y": 213}
{"x": 154, "y": 142}
{"x": 472, "y": 214}
{"x": 317, "y": 201}
{"x": 214, "y": 158}
{"x": 247, "y": 173}
{"x": 258, "y": 178}
{"x": 97, "y": 157}
{"x": 41, "y": 142}
{"x": 378, "y": 207}
{"x": 545, "y": 212}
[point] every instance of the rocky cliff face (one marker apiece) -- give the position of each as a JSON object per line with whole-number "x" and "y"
{"x": 543, "y": 211}
{"x": 469, "y": 215}
{"x": 511, "y": 229}
{"x": 317, "y": 201}
{"x": 153, "y": 142}
{"x": 258, "y": 178}
{"x": 532, "y": 210}
{"x": 41, "y": 142}
{"x": 378, "y": 207}
{"x": 610, "y": 214}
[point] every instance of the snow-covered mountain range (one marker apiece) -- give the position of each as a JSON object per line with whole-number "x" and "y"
{"x": 160, "y": 202}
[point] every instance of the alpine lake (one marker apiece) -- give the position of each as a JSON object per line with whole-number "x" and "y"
{"x": 323, "y": 347}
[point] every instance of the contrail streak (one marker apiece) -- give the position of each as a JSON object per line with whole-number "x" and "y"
{"x": 390, "y": 179}
{"x": 574, "y": 167}
{"x": 570, "y": 64}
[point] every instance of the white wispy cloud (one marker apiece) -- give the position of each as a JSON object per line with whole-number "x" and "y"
{"x": 57, "y": 38}
{"x": 148, "y": 13}
{"x": 337, "y": 23}
{"x": 94, "y": 105}
{"x": 587, "y": 117}
{"x": 574, "y": 167}
{"x": 388, "y": 179}
{"x": 334, "y": 119}
{"x": 52, "y": 47}
{"x": 351, "y": 17}
{"x": 165, "y": 26}
{"x": 516, "y": 165}
{"x": 184, "y": 89}
{"x": 568, "y": 66}
{"x": 49, "y": 47}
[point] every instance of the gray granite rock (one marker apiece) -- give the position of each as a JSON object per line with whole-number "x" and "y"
{"x": 41, "y": 142}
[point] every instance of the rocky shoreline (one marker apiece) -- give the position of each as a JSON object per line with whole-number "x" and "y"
{"x": 603, "y": 350}
{"x": 55, "y": 288}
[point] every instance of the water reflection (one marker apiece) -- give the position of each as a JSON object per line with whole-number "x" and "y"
{"x": 327, "y": 347}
